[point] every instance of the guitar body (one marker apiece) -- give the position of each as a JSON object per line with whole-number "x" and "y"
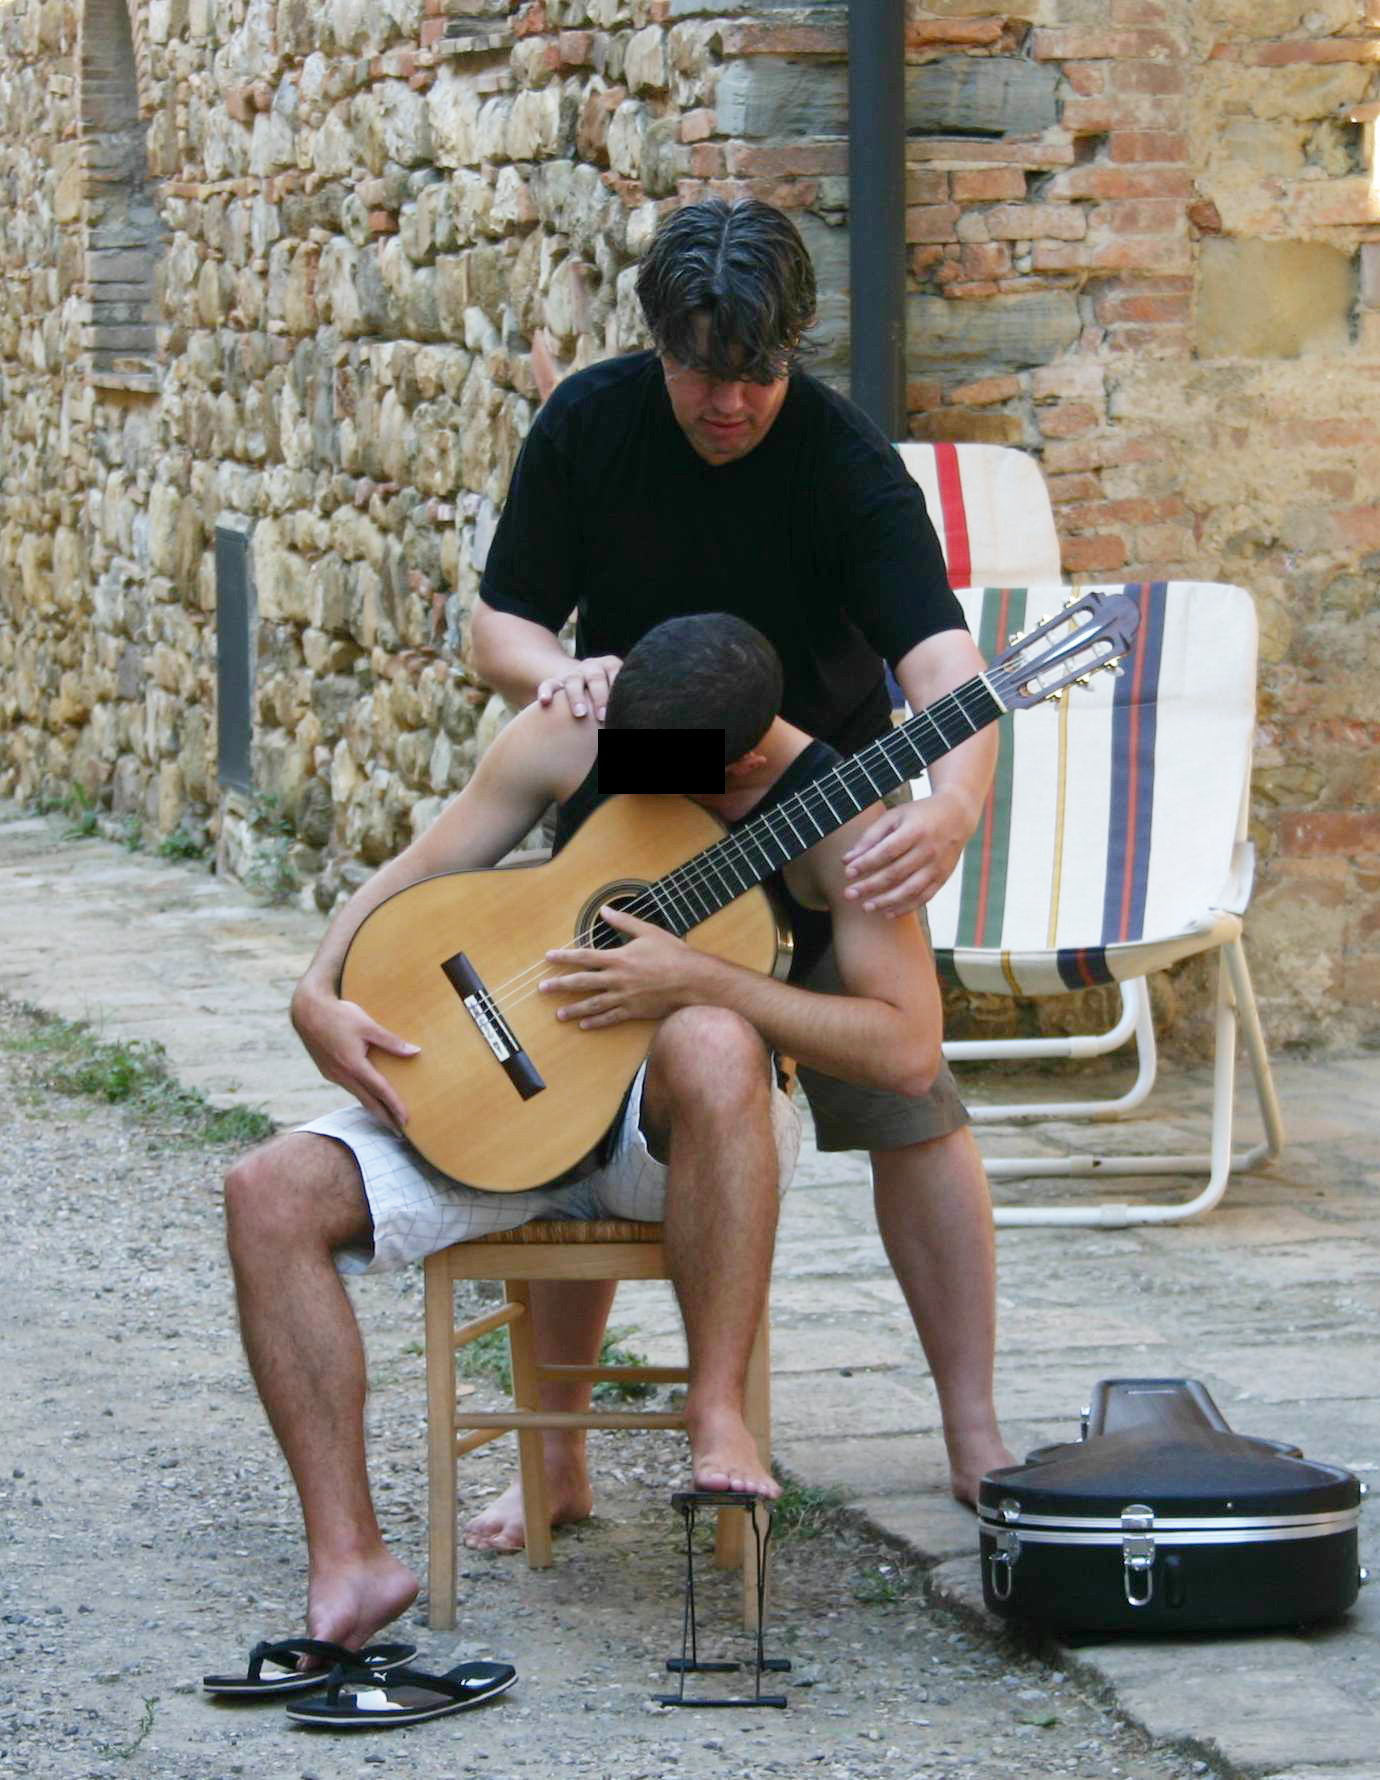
{"x": 479, "y": 1116}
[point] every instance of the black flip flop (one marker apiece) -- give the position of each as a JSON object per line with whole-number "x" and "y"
{"x": 355, "y": 1701}
{"x": 378, "y": 1659}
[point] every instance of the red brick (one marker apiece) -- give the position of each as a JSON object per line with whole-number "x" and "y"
{"x": 970, "y": 426}
{"x": 1321, "y": 832}
{"x": 975, "y": 185}
{"x": 1136, "y": 510}
{"x": 984, "y": 288}
{"x": 779, "y": 160}
{"x": 1156, "y": 341}
{"x": 530, "y": 19}
{"x": 985, "y": 259}
{"x": 433, "y": 30}
{"x": 1343, "y": 435}
{"x": 973, "y": 148}
{"x": 926, "y": 185}
{"x": 1159, "y": 146}
{"x": 1358, "y": 528}
{"x": 1098, "y": 550}
{"x": 1139, "y": 216}
{"x": 922, "y": 258}
{"x": 1340, "y": 485}
{"x": 383, "y": 222}
{"x": 1146, "y": 111}
{"x": 239, "y": 102}
{"x": 1119, "y": 305}
{"x": 1073, "y": 44}
{"x": 1098, "y": 180}
{"x": 1087, "y": 79}
{"x": 695, "y": 126}
{"x": 1075, "y": 487}
{"x": 931, "y": 222}
{"x": 985, "y": 391}
{"x": 1306, "y": 49}
{"x": 1134, "y": 253}
{"x": 1100, "y": 453}
{"x": 784, "y": 40}
{"x": 923, "y": 33}
{"x": 1069, "y": 420}
{"x": 924, "y": 393}
{"x": 707, "y": 160}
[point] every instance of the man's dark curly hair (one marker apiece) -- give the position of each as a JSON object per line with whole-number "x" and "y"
{"x": 710, "y": 671}
{"x": 745, "y": 268}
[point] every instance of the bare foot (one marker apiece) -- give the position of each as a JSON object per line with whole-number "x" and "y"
{"x": 501, "y": 1527}
{"x": 724, "y": 1455}
{"x": 349, "y": 1603}
{"x": 970, "y": 1460}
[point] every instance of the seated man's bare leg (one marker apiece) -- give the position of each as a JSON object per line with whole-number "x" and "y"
{"x": 934, "y": 1212}
{"x": 568, "y": 1318}
{"x": 289, "y": 1205}
{"x": 708, "y": 1093}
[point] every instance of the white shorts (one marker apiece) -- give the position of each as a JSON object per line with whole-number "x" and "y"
{"x": 417, "y": 1210}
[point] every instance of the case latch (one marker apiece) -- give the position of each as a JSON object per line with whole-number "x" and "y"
{"x": 1138, "y": 1553}
{"x": 1007, "y": 1549}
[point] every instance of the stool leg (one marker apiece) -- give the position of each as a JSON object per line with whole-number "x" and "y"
{"x": 440, "y": 1443}
{"x": 536, "y": 1506}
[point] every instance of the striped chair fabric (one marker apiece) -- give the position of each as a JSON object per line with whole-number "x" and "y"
{"x": 991, "y": 509}
{"x": 1113, "y": 841}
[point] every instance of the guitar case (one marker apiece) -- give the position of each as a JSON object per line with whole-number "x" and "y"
{"x": 1161, "y": 1519}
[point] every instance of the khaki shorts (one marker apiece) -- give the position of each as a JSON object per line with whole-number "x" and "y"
{"x": 850, "y": 1117}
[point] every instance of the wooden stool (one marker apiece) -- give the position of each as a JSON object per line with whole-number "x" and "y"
{"x": 558, "y": 1250}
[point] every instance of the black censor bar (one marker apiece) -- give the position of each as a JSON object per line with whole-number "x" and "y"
{"x": 687, "y": 761}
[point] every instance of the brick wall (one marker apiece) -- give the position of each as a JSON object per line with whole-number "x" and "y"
{"x": 1143, "y": 244}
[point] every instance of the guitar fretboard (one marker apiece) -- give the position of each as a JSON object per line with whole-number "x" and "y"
{"x": 763, "y": 844}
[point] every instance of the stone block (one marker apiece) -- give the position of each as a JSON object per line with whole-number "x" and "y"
{"x": 1005, "y": 332}
{"x": 1273, "y": 299}
{"x": 996, "y": 95}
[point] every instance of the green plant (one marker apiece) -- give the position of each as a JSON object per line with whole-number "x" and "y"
{"x": 271, "y": 873}
{"x": 181, "y": 845}
{"x": 803, "y": 1511}
{"x": 881, "y": 1585}
{"x": 71, "y": 1059}
{"x": 487, "y": 1357}
{"x": 125, "y": 1750}
{"x": 132, "y": 833}
{"x": 612, "y": 1353}
{"x": 78, "y": 804}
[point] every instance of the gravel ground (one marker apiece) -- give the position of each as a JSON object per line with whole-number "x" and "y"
{"x": 150, "y": 1534}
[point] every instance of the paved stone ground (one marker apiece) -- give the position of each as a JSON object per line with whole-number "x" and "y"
{"x": 1273, "y": 1300}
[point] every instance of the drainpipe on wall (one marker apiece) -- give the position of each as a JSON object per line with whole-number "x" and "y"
{"x": 877, "y": 209}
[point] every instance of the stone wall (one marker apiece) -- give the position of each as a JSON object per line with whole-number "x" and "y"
{"x": 1144, "y": 244}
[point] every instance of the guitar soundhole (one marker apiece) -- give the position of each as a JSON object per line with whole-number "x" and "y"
{"x": 629, "y": 893}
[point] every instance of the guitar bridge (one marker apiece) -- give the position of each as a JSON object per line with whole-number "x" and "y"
{"x": 492, "y": 1027}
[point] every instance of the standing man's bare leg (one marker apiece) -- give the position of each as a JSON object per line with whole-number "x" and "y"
{"x": 568, "y": 1319}
{"x": 934, "y": 1212}
{"x": 709, "y": 1086}
{"x": 289, "y": 1206}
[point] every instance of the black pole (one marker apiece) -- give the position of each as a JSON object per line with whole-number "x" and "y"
{"x": 877, "y": 209}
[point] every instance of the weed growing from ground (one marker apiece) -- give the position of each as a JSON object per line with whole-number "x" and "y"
{"x": 70, "y": 1058}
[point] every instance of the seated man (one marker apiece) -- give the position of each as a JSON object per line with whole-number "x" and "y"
{"x": 703, "y": 1142}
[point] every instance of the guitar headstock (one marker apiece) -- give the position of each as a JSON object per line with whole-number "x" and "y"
{"x": 1090, "y": 634}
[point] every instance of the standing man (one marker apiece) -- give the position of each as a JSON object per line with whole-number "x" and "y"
{"x": 714, "y": 472}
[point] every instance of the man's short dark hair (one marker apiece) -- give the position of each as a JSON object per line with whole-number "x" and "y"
{"x": 711, "y": 671}
{"x": 744, "y": 267}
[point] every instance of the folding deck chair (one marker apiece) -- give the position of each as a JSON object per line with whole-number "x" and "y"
{"x": 1114, "y": 844}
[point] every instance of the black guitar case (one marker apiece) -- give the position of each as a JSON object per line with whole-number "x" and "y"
{"x": 1161, "y": 1519}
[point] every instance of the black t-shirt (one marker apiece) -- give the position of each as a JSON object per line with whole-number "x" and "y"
{"x": 817, "y": 536}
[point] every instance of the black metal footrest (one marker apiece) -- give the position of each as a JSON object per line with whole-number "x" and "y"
{"x": 759, "y": 1514}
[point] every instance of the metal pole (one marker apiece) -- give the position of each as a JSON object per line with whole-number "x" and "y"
{"x": 877, "y": 208}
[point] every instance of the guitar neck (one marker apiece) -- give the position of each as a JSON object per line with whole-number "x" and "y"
{"x": 763, "y": 844}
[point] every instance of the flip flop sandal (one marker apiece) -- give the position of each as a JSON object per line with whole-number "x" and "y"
{"x": 355, "y": 1701}
{"x": 285, "y": 1677}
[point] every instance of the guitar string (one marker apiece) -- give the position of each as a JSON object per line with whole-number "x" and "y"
{"x": 999, "y": 678}
{"x": 692, "y": 876}
{"x": 1004, "y": 681}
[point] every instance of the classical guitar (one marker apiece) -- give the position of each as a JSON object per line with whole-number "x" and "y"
{"x": 503, "y": 1095}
